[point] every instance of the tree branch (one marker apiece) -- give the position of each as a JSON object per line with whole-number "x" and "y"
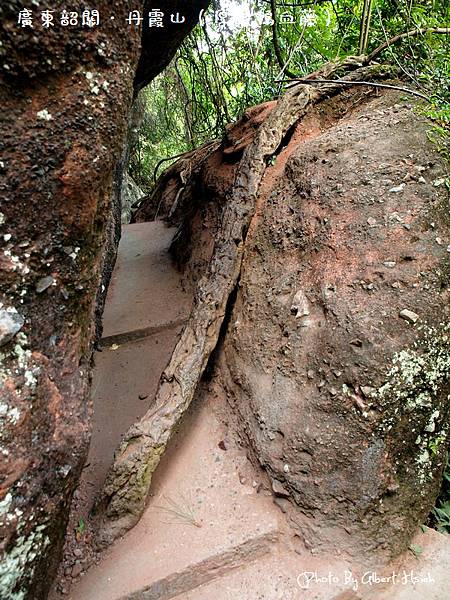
{"x": 276, "y": 43}
{"x": 402, "y": 36}
{"x": 365, "y": 26}
{"x": 369, "y": 83}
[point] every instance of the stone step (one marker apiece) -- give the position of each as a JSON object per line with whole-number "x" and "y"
{"x": 145, "y": 291}
{"x": 282, "y": 575}
{"x": 124, "y": 384}
{"x": 144, "y": 313}
{"x": 205, "y": 516}
{"x": 196, "y": 574}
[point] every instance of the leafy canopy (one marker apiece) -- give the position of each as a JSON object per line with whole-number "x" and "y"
{"x": 228, "y": 64}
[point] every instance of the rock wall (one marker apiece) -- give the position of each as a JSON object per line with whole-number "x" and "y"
{"x": 65, "y": 97}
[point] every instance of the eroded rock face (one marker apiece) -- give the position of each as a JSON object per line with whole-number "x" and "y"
{"x": 65, "y": 98}
{"x": 131, "y": 193}
{"x": 336, "y": 351}
{"x": 343, "y": 394}
{"x": 192, "y": 193}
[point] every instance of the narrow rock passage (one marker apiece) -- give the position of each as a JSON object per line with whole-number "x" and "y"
{"x": 144, "y": 313}
{"x": 209, "y": 510}
{"x": 212, "y": 527}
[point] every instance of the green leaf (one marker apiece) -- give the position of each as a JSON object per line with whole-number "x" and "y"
{"x": 416, "y": 550}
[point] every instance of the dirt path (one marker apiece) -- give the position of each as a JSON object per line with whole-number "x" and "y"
{"x": 143, "y": 317}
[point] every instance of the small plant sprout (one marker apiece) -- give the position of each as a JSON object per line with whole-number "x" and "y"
{"x": 79, "y": 529}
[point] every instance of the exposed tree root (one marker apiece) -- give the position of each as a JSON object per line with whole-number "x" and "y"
{"x": 180, "y": 170}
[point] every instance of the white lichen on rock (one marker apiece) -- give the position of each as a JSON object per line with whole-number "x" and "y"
{"x": 5, "y": 505}
{"x": 415, "y": 377}
{"x": 24, "y": 362}
{"x": 44, "y": 115}
{"x": 412, "y": 390}
{"x": 21, "y": 364}
{"x": 15, "y": 263}
{"x": 18, "y": 564}
{"x": 9, "y": 413}
{"x": 431, "y": 425}
{"x": 96, "y": 83}
{"x": 18, "y": 561}
{"x": 422, "y": 462}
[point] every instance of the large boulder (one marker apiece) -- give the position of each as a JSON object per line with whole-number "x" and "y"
{"x": 65, "y": 99}
{"x": 65, "y": 96}
{"x": 337, "y": 352}
{"x": 335, "y": 347}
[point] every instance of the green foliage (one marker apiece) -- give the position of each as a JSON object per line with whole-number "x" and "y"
{"x": 441, "y": 512}
{"x": 79, "y": 529}
{"x": 223, "y": 68}
{"x": 439, "y": 134}
{"x": 442, "y": 515}
{"x": 160, "y": 129}
{"x": 440, "y": 114}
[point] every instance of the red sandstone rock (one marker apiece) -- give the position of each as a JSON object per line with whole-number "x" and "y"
{"x": 342, "y": 400}
{"x": 65, "y": 99}
{"x": 364, "y": 467}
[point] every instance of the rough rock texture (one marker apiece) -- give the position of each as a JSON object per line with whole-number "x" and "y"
{"x": 344, "y": 400}
{"x": 64, "y": 104}
{"x": 130, "y": 194}
{"x": 65, "y": 98}
{"x": 336, "y": 350}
